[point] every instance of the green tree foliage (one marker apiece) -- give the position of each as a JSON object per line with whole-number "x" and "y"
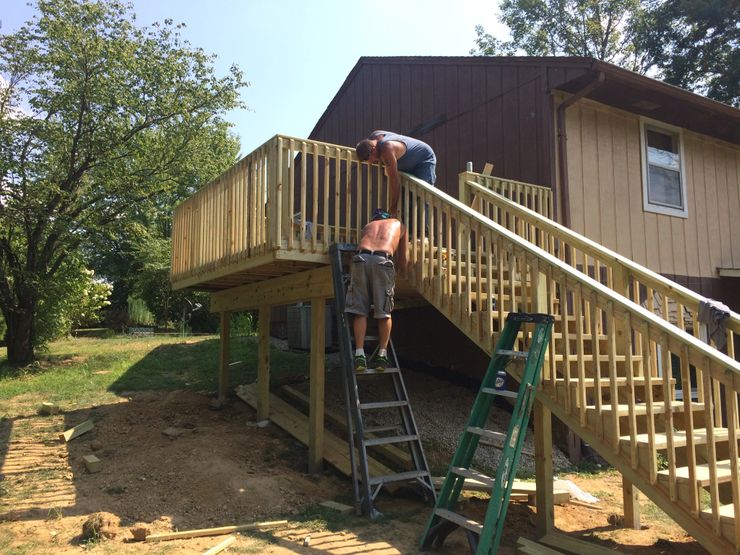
{"x": 694, "y": 44}
{"x": 98, "y": 118}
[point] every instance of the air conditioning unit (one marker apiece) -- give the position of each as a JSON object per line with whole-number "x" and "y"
{"x": 299, "y": 326}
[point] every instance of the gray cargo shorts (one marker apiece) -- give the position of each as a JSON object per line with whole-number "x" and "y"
{"x": 372, "y": 281}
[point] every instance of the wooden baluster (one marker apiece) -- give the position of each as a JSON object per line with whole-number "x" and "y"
{"x": 611, "y": 332}
{"x": 450, "y": 261}
{"x": 500, "y": 285}
{"x": 689, "y": 424}
{"x": 348, "y": 200}
{"x": 479, "y": 281}
{"x": 304, "y": 190}
{"x": 491, "y": 291}
{"x": 291, "y": 196}
{"x": 596, "y": 360}
{"x": 565, "y": 334}
{"x": 468, "y": 277}
{"x": 668, "y": 414}
{"x": 647, "y": 353}
{"x": 699, "y": 378}
{"x": 632, "y": 415}
{"x": 439, "y": 253}
{"x": 711, "y": 448}
{"x": 315, "y": 197}
{"x": 326, "y": 237}
{"x": 732, "y": 419}
{"x": 579, "y": 307}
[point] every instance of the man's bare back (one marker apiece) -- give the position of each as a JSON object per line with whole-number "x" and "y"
{"x": 386, "y": 235}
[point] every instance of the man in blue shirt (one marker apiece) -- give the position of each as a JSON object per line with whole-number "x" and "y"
{"x": 398, "y": 153}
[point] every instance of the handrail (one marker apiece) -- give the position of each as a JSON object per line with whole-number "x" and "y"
{"x": 623, "y": 275}
{"x": 535, "y": 197}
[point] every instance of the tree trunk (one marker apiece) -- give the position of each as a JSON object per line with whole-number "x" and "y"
{"x": 20, "y": 336}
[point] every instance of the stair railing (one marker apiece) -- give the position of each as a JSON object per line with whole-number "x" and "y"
{"x": 475, "y": 271}
{"x": 665, "y": 298}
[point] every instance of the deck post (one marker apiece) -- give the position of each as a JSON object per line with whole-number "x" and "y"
{"x": 223, "y": 357}
{"x": 543, "y": 469}
{"x": 631, "y": 501}
{"x": 263, "y": 364}
{"x": 316, "y": 386}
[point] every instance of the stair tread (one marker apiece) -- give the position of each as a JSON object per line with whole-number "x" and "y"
{"x": 460, "y": 520}
{"x": 473, "y": 474}
{"x": 390, "y": 439}
{"x": 621, "y": 380}
{"x": 726, "y": 513}
{"x": 641, "y": 408}
{"x": 398, "y": 477}
{"x": 679, "y": 438}
{"x": 383, "y": 405}
{"x": 724, "y": 473}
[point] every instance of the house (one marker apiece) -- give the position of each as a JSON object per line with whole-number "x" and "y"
{"x": 644, "y": 168}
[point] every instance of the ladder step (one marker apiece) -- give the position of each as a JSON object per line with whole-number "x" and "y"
{"x": 379, "y": 429}
{"x": 374, "y": 372}
{"x": 390, "y": 439}
{"x": 383, "y": 405}
{"x": 474, "y": 474}
{"x": 488, "y": 434}
{"x": 500, "y": 392}
{"x": 400, "y": 477}
{"x": 522, "y": 355}
{"x": 460, "y": 520}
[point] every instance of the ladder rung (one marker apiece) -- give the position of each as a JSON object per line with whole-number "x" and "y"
{"x": 460, "y": 520}
{"x": 513, "y": 354}
{"x": 383, "y": 405}
{"x": 374, "y": 372}
{"x": 473, "y": 474}
{"x": 500, "y": 392}
{"x": 400, "y": 477}
{"x": 488, "y": 434}
{"x": 390, "y": 439}
{"x": 378, "y": 429}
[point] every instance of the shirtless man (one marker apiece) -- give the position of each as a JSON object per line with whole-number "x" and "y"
{"x": 373, "y": 280}
{"x": 398, "y": 153}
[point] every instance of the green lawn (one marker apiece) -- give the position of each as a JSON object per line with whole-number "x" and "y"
{"x": 93, "y": 371}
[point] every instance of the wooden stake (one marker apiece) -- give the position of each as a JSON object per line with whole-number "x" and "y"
{"x": 216, "y": 531}
{"x": 78, "y": 430}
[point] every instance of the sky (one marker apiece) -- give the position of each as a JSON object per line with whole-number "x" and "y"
{"x": 296, "y": 54}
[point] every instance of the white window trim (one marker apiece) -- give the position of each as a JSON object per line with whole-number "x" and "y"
{"x": 646, "y": 205}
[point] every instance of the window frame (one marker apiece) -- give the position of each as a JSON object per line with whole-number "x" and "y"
{"x": 649, "y": 124}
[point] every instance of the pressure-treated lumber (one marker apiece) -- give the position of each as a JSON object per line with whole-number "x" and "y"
{"x": 224, "y": 354}
{"x": 263, "y": 364}
{"x": 576, "y": 546}
{"x": 520, "y": 491}
{"x": 296, "y": 287}
{"x": 220, "y": 531}
{"x": 78, "y": 430}
{"x": 336, "y": 450}
{"x": 317, "y": 378}
{"x": 631, "y": 500}
{"x": 545, "y": 519}
{"x": 221, "y": 546}
{"x": 529, "y": 547}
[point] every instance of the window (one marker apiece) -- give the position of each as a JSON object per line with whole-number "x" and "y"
{"x": 664, "y": 184}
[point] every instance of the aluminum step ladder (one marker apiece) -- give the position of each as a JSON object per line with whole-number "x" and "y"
{"x": 402, "y": 431}
{"x": 485, "y": 538}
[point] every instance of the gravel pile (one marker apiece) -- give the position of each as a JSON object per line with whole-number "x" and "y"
{"x": 441, "y": 410}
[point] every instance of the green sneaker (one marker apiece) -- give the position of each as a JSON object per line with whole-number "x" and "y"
{"x": 380, "y": 363}
{"x": 360, "y": 363}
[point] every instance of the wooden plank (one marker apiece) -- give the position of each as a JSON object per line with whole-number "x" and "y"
{"x": 220, "y": 531}
{"x": 317, "y": 377}
{"x": 283, "y": 290}
{"x": 631, "y": 502}
{"x": 530, "y": 547}
{"x": 520, "y": 491}
{"x": 221, "y": 546}
{"x": 263, "y": 364}
{"x": 224, "y": 355}
{"x": 336, "y": 450}
{"x": 543, "y": 469}
{"x": 576, "y": 546}
{"x": 77, "y": 431}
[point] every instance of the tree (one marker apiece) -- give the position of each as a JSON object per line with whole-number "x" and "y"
{"x": 694, "y": 44}
{"x": 97, "y": 117}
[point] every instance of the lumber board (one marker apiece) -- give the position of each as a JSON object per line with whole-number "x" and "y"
{"x": 519, "y": 489}
{"x": 336, "y": 450}
{"x": 533, "y": 548}
{"x": 220, "y": 531}
{"x": 78, "y": 430}
{"x": 221, "y": 546}
{"x": 576, "y": 546}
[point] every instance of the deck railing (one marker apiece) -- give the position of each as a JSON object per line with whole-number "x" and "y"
{"x": 661, "y": 296}
{"x": 534, "y": 197}
{"x": 609, "y": 364}
{"x": 288, "y": 194}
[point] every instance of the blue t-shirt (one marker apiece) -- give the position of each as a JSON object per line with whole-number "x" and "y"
{"x": 418, "y": 160}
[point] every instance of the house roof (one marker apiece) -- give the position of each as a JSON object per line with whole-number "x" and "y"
{"x": 621, "y": 89}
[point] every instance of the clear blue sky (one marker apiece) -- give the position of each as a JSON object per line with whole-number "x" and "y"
{"x": 296, "y": 54}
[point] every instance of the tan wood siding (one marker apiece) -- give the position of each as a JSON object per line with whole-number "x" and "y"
{"x": 606, "y": 204}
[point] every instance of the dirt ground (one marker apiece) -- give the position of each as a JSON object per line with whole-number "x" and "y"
{"x": 222, "y": 469}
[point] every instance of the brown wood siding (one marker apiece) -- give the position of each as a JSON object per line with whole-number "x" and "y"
{"x": 488, "y": 112}
{"x": 605, "y": 180}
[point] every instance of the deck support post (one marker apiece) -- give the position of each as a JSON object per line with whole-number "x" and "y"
{"x": 316, "y": 386}
{"x": 631, "y": 501}
{"x": 223, "y": 357}
{"x": 545, "y": 502}
{"x": 263, "y": 364}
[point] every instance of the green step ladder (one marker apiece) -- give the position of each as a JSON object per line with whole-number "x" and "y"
{"x": 485, "y": 538}
{"x": 400, "y": 428}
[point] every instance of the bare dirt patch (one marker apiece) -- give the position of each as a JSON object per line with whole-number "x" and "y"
{"x": 221, "y": 469}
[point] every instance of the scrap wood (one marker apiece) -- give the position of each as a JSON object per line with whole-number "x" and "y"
{"x": 216, "y": 531}
{"x": 530, "y": 547}
{"x": 221, "y": 546}
{"x": 576, "y": 546}
{"x": 78, "y": 430}
{"x": 518, "y": 489}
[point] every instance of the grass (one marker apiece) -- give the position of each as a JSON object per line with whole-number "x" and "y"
{"x": 89, "y": 371}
